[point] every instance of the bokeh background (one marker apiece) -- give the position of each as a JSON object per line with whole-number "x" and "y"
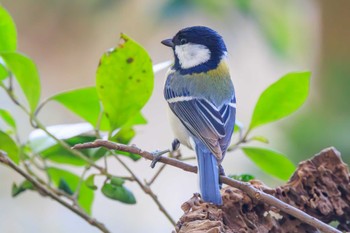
{"x": 265, "y": 39}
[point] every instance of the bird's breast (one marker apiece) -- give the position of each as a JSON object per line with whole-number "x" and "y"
{"x": 180, "y": 132}
{"x": 214, "y": 85}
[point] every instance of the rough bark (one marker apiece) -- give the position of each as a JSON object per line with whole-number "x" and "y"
{"x": 320, "y": 187}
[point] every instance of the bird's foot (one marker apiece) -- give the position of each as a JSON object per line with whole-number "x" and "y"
{"x": 157, "y": 156}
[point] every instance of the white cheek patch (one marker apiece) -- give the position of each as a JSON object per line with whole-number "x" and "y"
{"x": 191, "y": 55}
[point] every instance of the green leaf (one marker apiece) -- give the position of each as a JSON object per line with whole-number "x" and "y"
{"x": 119, "y": 193}
{"x": 281, "y": 98}
{"x": 85, "y": 103}
{"x": 8, "y": 33}
{"x": 137, "y": 119}
{"x": 63, "y": 185}
{"x": 69, "y": 182}
{"x": 271, "y": 162}
{"x": 3, "y": 73}
{"x": 90, "y": 182}
{"x": 117, "y": 181}
{"x": 39, "y": 140}
{"x": 9, "y": 146}
{"x": 242, "y": 177}
{"x": 8, "y": 119}
{"x": 25, "y": 185}
{"x": 59, "y": 154}
{"x": 124, "y": 135}
{"x": 72, "y": 134}
{"x": 124, "y": 81}
{"x": 26, "y": 75}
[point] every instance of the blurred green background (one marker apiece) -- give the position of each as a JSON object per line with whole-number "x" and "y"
{"x": 265, "y": 39}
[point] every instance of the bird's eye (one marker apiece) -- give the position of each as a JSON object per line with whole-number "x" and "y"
{"x": 183, "y": 41}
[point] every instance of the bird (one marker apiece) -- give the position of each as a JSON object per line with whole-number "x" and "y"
{"x": 202, "y": 102}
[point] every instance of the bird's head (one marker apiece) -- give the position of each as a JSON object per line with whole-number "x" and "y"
{"x": 196, "y": 49}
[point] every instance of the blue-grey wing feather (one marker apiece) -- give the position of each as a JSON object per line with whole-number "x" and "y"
{"x": 204, "y": 120}
{"x": 228, "y": 113}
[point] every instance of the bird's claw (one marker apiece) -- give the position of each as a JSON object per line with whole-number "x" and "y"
{"x": 157, "y": 156}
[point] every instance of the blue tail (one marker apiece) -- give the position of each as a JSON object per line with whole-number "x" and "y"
{"x": 208, "y": 175}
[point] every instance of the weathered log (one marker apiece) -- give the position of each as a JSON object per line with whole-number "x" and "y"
{"x": 320, "y": 187}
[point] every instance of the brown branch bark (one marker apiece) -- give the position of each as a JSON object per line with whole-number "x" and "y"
{"x": 320, "y": 187}
{"x": 47, "y": 192}
{"x": 258, "y": 195}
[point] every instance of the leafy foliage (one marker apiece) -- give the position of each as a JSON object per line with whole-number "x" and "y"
{"x": 69, "y": 183}
{"x": 272, "y": 162}
{"x": 90, "y": 182}
{"x": 3, "y": 73}
{"x": 8, "y": 33}
{"x": 18, "y": 189}
{"x": 7, "y": 118}
{"x": 8, "y": 145}
{"x": 281, "y": 98}
{"x": 117, "y": 191}
{"x": 57, "y": 153}
{"x": 124, "y": 83}
{"x": 242, "y": 177}
{"x": 124, "y": 88}
{"x": 26, "y": 74}
{"x": 85, "y": 103}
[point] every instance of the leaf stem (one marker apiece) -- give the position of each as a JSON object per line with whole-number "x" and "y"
{"x": 240, "y": 141}
{"x": 81, "y": 180}
{"x": 68, "y": 148}
{"x": 39, "y": 125}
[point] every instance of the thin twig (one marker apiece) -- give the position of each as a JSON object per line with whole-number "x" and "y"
{"x": 147, "y": 189}
{"x": 135, "y": 150}
{"x": 67, "y": 147}
{"x": 45, "y": 191}
{"x": 38, "y": 124}
{"x": 242, "y": 139}
{"x": 149, "y": 183}
{"x": 81, "y": 180}
{"x": 43, "y": 183}
{"x": 246, "y": 187}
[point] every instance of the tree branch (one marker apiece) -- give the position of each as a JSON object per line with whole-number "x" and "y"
{"x": 253, "y": 192}
{"x": 47, "y": 192}
{"x": 135, "y": 150}
{"x": 147, "y": 189}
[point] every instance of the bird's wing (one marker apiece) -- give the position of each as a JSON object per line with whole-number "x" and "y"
{"x": 228, "y": 113}
{"x": 204, "y": 120}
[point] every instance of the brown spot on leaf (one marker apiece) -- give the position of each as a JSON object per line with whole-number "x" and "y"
{"x": 129, "y": 60}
